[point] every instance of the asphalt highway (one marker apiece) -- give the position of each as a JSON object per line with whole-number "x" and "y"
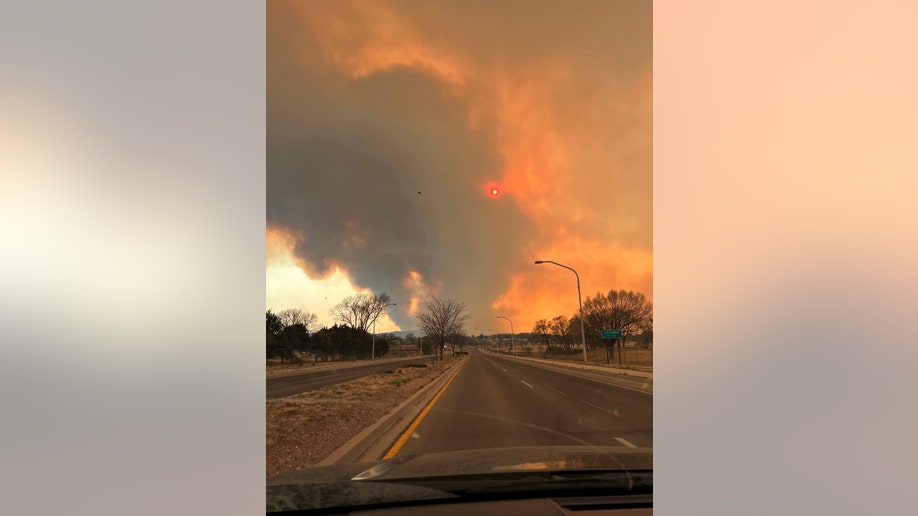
{"x": 495, "y": 401}
{"x": 308, "y": 380}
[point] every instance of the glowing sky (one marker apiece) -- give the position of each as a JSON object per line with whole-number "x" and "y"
{"x": 390, "y": 125}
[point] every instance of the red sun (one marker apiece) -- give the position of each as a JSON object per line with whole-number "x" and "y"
{"x": 492, "y": 189}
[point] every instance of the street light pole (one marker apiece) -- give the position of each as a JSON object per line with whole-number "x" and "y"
{"x": 373, "y": 349}
{"x": 511, "y": 332}
{"x": 579, "y": 302}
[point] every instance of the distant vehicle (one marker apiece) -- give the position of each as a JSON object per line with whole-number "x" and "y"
{"x": 462, "y": 352}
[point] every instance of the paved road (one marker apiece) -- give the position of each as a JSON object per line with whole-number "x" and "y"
{"x": 295, "y": 384}
{"x": 495, "y": 401}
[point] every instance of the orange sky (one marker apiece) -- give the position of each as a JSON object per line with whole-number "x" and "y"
{"x": 562, "y": 99}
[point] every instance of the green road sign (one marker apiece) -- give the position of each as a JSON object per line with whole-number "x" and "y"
{"x": 611, "y": 334}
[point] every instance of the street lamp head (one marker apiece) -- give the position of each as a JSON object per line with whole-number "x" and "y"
{"x": 539, "y": 262}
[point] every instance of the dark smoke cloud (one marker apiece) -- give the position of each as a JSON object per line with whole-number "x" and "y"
{"x": 346, "y": 160}
{"x": 347, "y": 157}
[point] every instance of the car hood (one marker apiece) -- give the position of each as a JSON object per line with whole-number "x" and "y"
{"x": 443, "y": 475}
{"x": 476, "y": 462}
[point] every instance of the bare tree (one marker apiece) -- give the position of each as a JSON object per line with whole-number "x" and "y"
{"x": 618, "y": 310}
{"x": 542, "y": 330}
{"x": 294, "y": 316}
{"x": 360, "y": 310}
{"x": 440, "y": 319}
{"x": 561, "y": 327}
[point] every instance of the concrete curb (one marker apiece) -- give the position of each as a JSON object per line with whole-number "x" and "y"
{"x": 375, "y": 440}
{"x": 625, "y": 372}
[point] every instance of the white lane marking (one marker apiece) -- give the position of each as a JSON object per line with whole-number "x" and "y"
{"x": 625, "y": 442}
{"x": 502, "y": 369}
{"x": 526, "y": 384}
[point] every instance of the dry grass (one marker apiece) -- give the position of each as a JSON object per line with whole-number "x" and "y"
{"x": 638, "y": 359}
{"x": 274, "y": 367}
{"x": 302, "y": 430}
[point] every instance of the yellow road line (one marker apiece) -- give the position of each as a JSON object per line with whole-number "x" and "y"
{"x": 407, "y": 435}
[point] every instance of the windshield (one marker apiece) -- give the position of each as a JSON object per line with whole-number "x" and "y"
{"x": 459, "y": 245}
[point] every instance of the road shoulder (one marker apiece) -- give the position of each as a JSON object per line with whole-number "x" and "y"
{"x": 303, "y": 430}
{"x": 374, "y": 441}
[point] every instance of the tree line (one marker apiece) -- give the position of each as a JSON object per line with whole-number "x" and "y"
{"x": 291, "y": 333}
{"x": 623, "y": 310}
{"x": 338, "y": 342}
